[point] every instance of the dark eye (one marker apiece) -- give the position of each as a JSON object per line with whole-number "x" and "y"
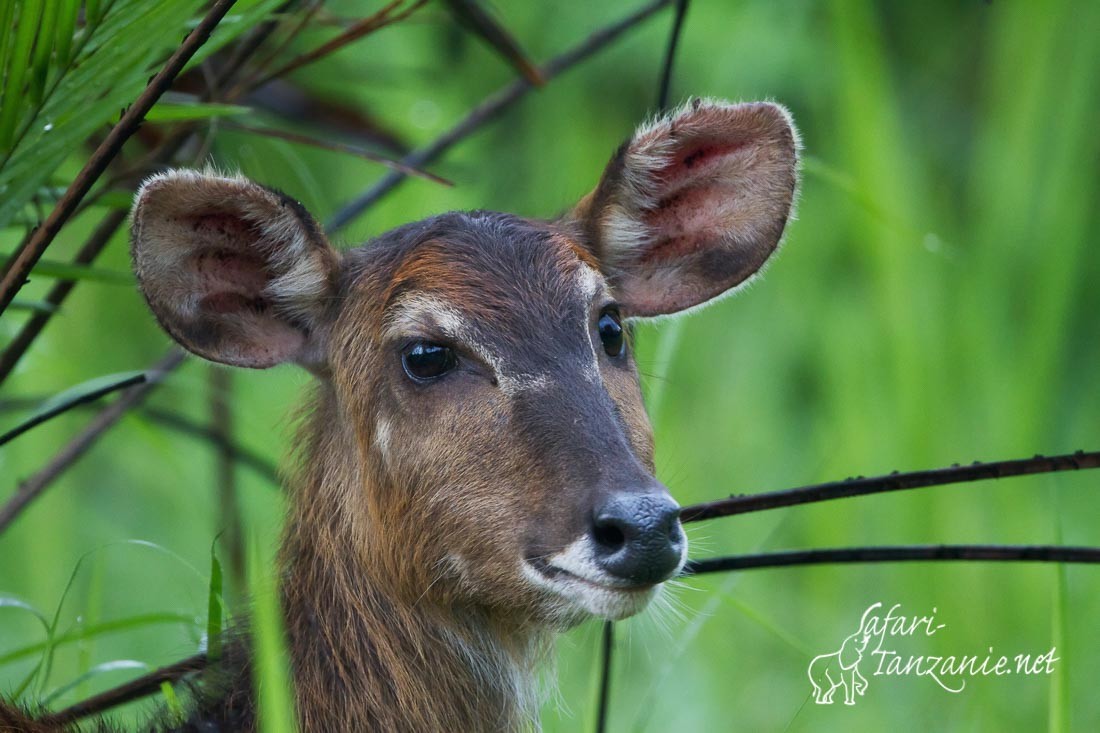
{"x": 424, "y": 360}
{"x": 611, "y": 332}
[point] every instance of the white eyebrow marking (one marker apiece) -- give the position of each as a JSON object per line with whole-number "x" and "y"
{"x": 383, "y": 431}
{"x": 591, "y": 283}
{"x": 590, "y": 280}
{"x": 412, "y": 313}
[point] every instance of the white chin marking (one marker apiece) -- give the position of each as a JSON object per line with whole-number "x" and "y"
{"x": 573, "y": 576}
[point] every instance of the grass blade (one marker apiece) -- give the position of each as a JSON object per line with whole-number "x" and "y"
{"x": 9, "y": 602}
{"x": 30, "y": 12}
{"x": 86, "y": 633}
{"x": 66, "y": 29}
{"x": 7, "y": 20}
{"x": 271, "y": 668}
{"x": 187, "y": 111}
{"x": 214, "y": 608}
{"x": 34, "y": 306}
{"x": 43, "y": 51}
{"x": 96, "y": 671}
{"x": 175, "y": 708}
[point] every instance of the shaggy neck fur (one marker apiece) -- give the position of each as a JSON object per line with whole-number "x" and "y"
{"x": 366, "y": 659}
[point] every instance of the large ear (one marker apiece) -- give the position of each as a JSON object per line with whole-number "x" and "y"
{"x": 237, "y": 273}
{"x": 693, "y": 204}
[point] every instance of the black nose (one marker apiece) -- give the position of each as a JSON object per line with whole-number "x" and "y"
{"x": 638, "y": 537}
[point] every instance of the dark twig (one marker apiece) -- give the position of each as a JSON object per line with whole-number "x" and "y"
{"x": 338, "y": 148}
{"x": 19, "y": 268}
{"x": 670, "y": 55}
{"x": 605, "y": 676}
{"x": 471, "y": 14}
{"x": 67, "y": 405}
{"x": 174, "y": 421}
{"x": 132, "y": 690}
{"x": 240, "y": 454}
{"x": 33, "y": 487}
{"x": 377, "y": 21}
{"x": 292, "y": 34}
{"x": 662, "y": 104}
{"x": 489, "y": 109}
{"x": 892, "y": 482}
{"x": 221, "y": 427}
{"x": 58, "y": 292}
{"x": 904, "y": 553}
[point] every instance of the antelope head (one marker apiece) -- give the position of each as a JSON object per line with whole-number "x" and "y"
{"x": 483, "y": 438}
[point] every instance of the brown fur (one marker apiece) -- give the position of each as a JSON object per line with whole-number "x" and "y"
{"x": 420, "y": 588}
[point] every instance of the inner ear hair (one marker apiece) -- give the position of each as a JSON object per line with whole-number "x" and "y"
{"x": 693, "y": 204}
{"x": 236, "y": 272}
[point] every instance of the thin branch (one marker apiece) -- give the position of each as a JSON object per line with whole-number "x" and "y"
{"x": 903, "y": 553}
{"x": 243, "y": 51}
{"x": 221, "y": 427}
{"x": 33, "y": 487}
{"x": 132, "y": 690}
{"x": 338, "y": 148}
{"x": 489, "y": 109}
{"x": 240, "y": 454}
{"x": 670, "y": 55}
{"x": 605, "y": 676}
{"x": 662, "y": 104}
{"x": 67, "y": 405}
{"x": 19, "y": 268}
{"x": 372, "y": 23}
{"x": 893, "y": 482}
{"x": 58, "y": 292}
{"x": 470, "y": 14}
{"x": 174, "y": 421}
{"x": 294, "y": 31}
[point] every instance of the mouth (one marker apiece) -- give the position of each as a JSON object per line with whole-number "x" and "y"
{"x": 596, "y": 593}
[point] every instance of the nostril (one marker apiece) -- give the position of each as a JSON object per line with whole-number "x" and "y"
{"x": 609, "y": 535}
{"x": 637, "y": 537}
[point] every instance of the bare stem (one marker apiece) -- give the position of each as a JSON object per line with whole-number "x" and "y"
{"x": 58, "y": 292}
{"x": 67, "y": 405}
{"x": 605, "y": 676}
{"x": 904, "y": 553}
{"x": 33, "y": 487}
{"x": 132, "y": 690}
{"x": 670, "y": 55}
{"x": 338, "y": 148}
{"x": 861, "y": 486}
{"x": 221, "y": 427}
{"x": 361, "y": 28}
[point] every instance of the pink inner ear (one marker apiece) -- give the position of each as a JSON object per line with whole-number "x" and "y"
{"x": 231, "y": 276}
{"x": 686, "y": 221}
{"x": 694, "y": 160}
{"x": 225, "y": 277}
{"x": 694, "y": 197}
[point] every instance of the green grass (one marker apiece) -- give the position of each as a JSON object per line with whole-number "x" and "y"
{"x": 935, "y": 302}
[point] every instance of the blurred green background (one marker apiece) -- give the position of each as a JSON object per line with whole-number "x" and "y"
{"x": 935, "y": 302}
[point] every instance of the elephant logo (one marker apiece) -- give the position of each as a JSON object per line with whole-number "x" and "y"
{"x": 827, "y": 672}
